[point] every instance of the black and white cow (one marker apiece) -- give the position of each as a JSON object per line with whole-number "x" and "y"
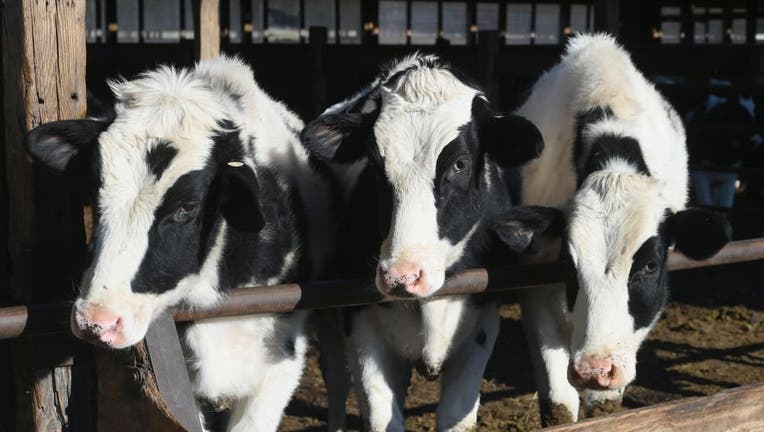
{"x": 720, "y": 148}
{"x": 201, "y": 185}
{"x": 615, "y": 158}
{"x": 431, "y": 199}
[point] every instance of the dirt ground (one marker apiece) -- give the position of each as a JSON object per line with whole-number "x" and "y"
{"x": 710, "y": 338}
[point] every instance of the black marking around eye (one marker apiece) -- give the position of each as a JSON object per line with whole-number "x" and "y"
{"x": 647, "y": 290}
{"x": 159, "y": 157}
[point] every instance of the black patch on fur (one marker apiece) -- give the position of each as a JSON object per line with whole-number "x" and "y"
{"x": 605, "y": 148}
{"x": 647, "y": 279}
{"x": 510, "y": 140}
{"x": 481, "y": 337}
{"x": 699, "y": 233}
{"x": 518, "y": 226}
{"x": 348, "y": 315}
{"x": 188, "y": 221}
{"x": 288, "y": 346}
{"x": 159, "y": 157}
{"x": 571, "y": 281}
{"x": 174, "y": 244}
{"x": 65, "y": 146}
{"x": 342, "y": 136}
{"x": 457, "y": 197}
{"x": 584, "y": 119}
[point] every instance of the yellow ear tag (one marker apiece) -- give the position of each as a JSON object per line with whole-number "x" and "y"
{"x": 235, "y": 164}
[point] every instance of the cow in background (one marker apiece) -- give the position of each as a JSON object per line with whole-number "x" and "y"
{"x": 719, "y": 148}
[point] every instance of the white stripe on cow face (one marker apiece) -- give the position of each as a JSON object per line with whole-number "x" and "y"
{"x": 612, "y": 215}
{"x": 420, "y": 115}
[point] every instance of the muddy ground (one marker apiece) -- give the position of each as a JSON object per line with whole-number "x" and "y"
{"x": 710, "y": 338}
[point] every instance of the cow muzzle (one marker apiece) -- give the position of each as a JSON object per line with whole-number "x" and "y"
{"x": 406, "y": 278}
{"x": 597, "y": 373}
{"x": 100, "y": 325}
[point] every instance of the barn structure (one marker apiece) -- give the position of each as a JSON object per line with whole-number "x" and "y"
{"x": 57, "y": 55}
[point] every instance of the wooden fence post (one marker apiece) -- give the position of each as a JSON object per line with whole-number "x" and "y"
{"x": 206, "y": 28}
{"x": 44, "y": 80}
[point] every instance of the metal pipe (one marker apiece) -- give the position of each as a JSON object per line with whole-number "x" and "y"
{"x": 24, "y": 320}
{"x": 734, "y": 252}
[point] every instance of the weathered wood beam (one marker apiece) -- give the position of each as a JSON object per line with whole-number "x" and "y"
{"x": 146, "y": 387}
{"x": 736, "y": 410}
{"x": 206, "y": 28}
{"x": 44, "y": 80}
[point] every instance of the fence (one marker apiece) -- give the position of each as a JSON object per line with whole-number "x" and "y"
{"x": 58, "y": 382}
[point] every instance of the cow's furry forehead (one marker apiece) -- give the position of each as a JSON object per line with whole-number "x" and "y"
{"x": 612, "y": 215}
{"x": 423, "y": 106}
{"x": 167, "y": 103}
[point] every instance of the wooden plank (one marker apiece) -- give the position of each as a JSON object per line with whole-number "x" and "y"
{"x": 146, "y": 387}
{"x": 207, "y": 28}
{"x": 736, "y": 410}
{"x": 128, "y": 397}
{"x": 44, "y": 80}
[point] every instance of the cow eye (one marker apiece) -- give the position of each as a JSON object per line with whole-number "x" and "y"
{"x": 650, "y": 267}
{"x": 185, "y": 212}
{"x": 459, "y": 166}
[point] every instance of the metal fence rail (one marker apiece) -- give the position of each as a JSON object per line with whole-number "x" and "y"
{"x": 21, "y": 320}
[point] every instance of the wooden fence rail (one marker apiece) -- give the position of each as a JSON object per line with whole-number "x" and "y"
{"x": 736, "y": 410}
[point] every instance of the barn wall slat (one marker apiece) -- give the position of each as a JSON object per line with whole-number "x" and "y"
{"x": 207, "y": 28}
{"x": 45, "y": 220}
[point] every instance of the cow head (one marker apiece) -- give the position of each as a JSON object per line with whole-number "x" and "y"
{"x": 437, "y": 148}
{"x": 172, "y": 178}
{"x": 619, "y": 229}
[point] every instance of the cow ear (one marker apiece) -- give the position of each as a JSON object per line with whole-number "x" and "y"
{"x": 240, "y": 203}
{"x": 64, "y": 146}
{"x": 339, "y": 134}
{"x": 518, "y": 226}
{"x": 698, "y": 233}
{"x": 510, "y": 140}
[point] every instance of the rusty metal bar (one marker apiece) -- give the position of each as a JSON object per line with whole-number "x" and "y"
{"x": 20, "y": 320}
{"x": 734, "y": 252}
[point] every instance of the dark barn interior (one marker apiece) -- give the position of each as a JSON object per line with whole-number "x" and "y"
{"x": 313, "y": 53}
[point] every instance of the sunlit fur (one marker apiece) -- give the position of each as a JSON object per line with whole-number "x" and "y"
{"x": 612, "y": 212}
{"x": 233, "y": 359}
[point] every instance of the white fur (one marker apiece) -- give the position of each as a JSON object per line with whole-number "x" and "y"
{"x": 234, "y": 359}
{"x": 604, "y": 232}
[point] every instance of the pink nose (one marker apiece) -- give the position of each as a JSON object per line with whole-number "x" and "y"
{"x": 96, "y": 323}
{"x": 404, "y": 275}
{"x": 596, "y": 373}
